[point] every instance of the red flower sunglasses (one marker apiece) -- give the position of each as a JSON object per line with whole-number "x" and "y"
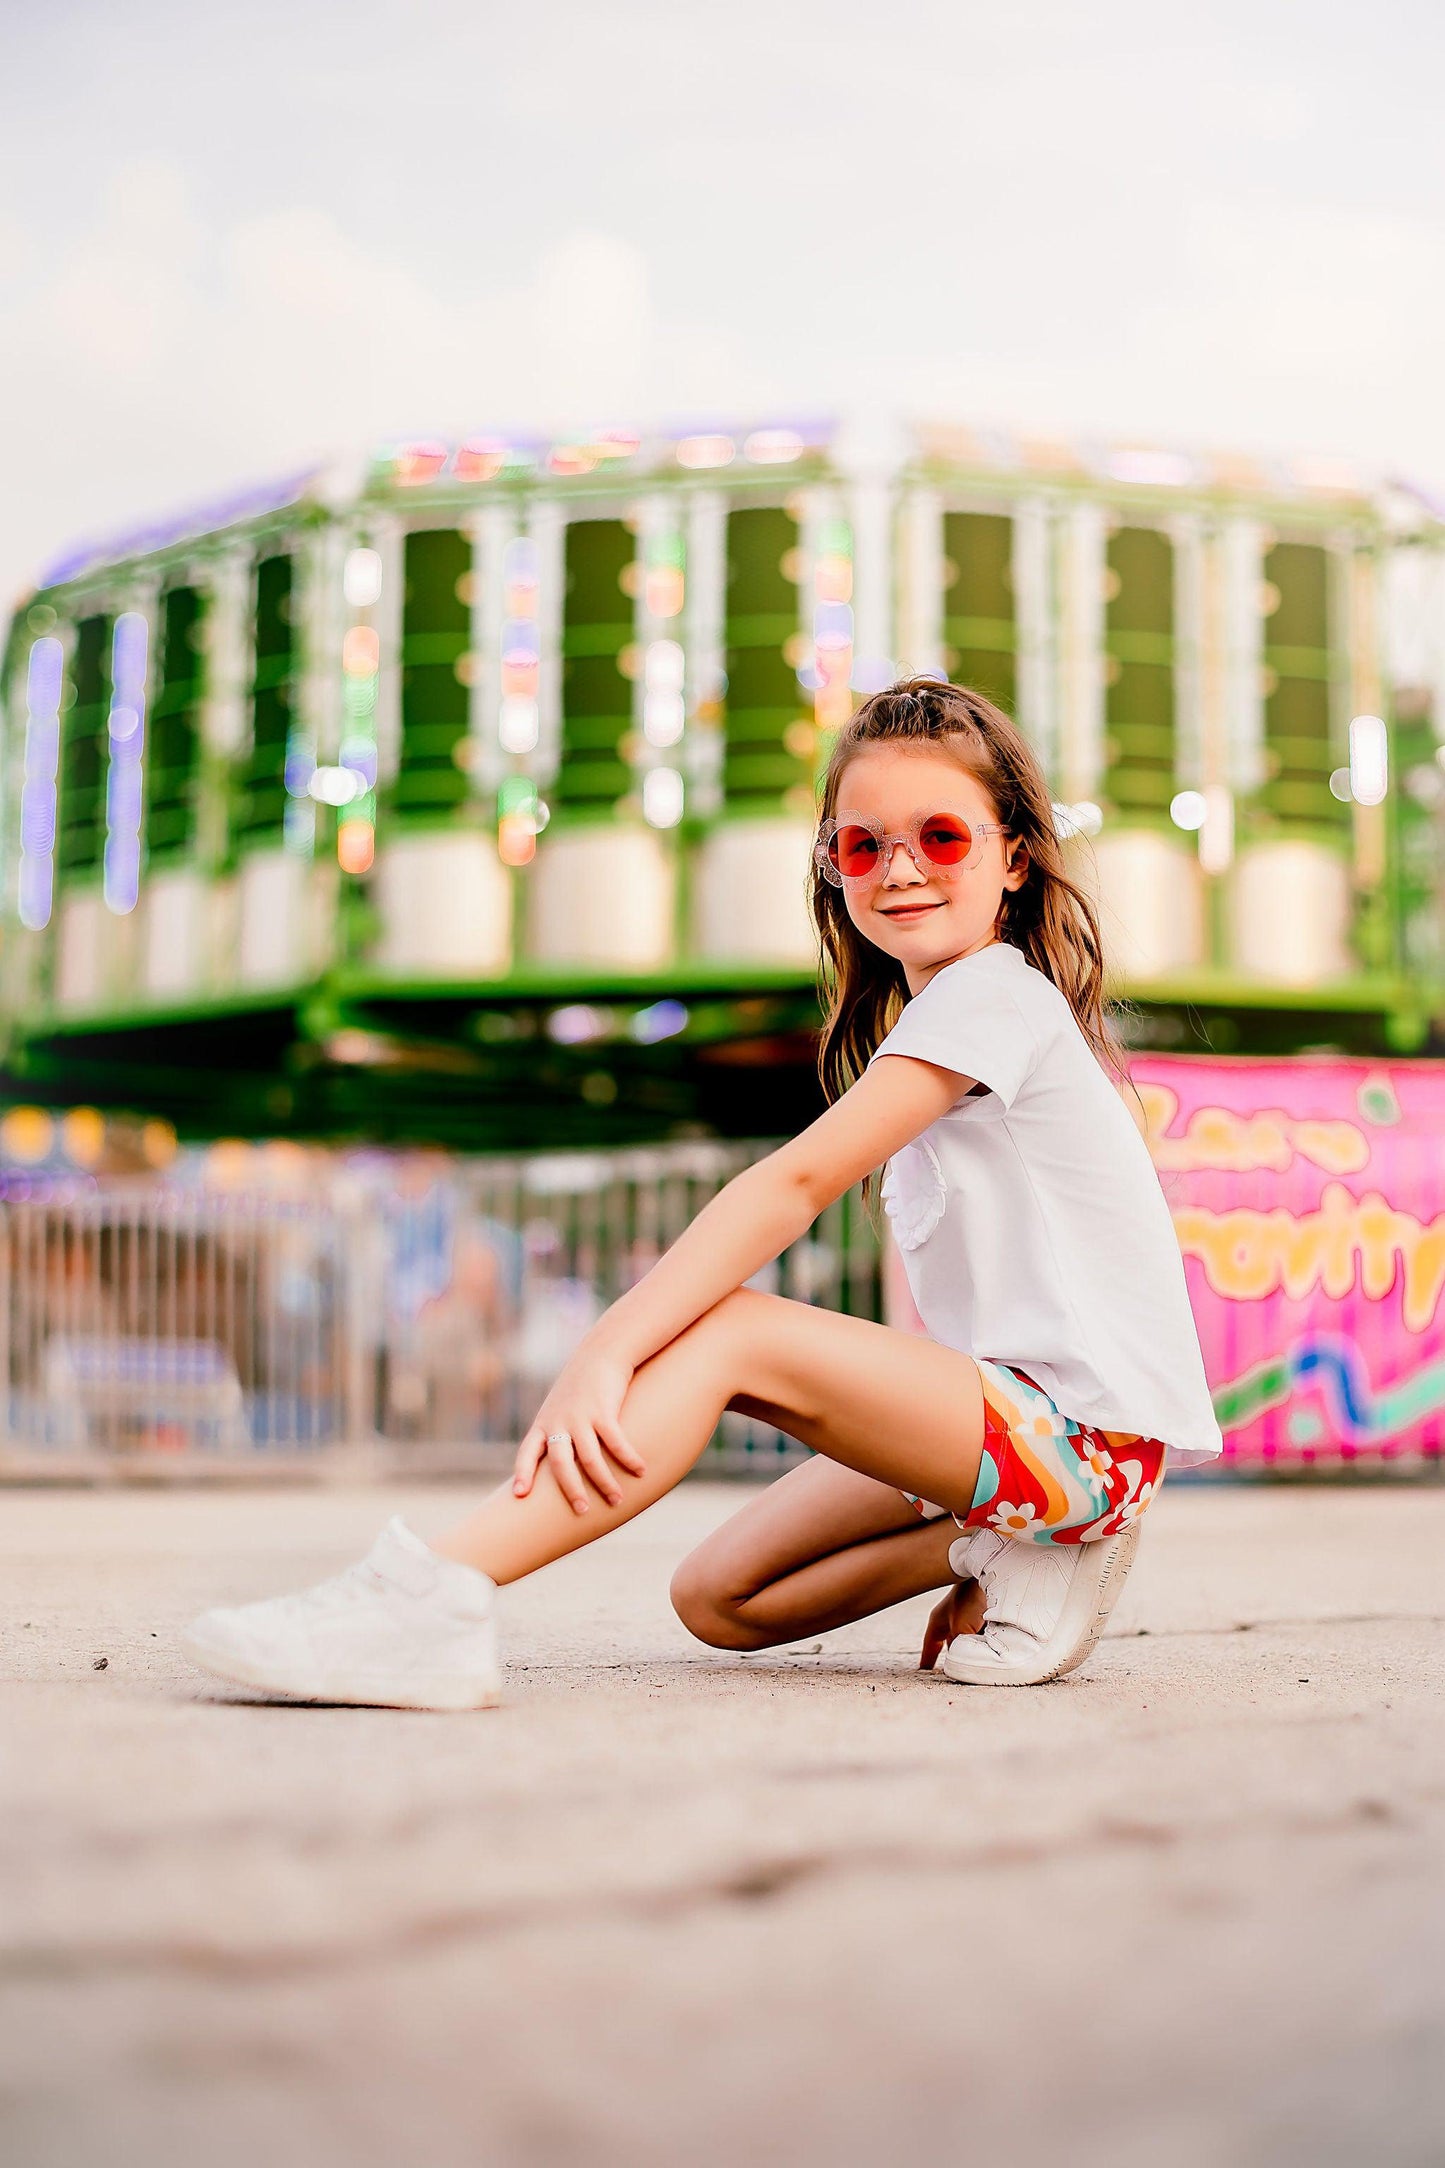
{"x": 854, "y": 851}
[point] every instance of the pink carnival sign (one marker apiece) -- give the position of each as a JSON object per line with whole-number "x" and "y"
{"x": 1308, "y": 1196}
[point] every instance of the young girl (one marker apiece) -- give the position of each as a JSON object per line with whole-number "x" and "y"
{"x": 1007, "y": 1457}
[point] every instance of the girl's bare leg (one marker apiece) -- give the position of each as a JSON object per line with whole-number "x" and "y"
{"x": 817, "y": 1549}
{"x": 886, "y": 1404}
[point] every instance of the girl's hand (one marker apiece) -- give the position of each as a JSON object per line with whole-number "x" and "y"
{"x": 961, "y": 1611}
{"x": 578, "y": 1433}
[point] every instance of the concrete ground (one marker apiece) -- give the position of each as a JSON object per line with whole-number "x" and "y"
{"x": 673, "y": 1906}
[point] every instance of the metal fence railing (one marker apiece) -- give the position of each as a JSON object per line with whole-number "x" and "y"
{"x": 533, "y": 1251}
{"x": 149, "y": 1321}
{"x": 411, "y": 1301}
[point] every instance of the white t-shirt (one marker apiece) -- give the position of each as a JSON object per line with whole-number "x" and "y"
{"x": 1031, "y": 1221}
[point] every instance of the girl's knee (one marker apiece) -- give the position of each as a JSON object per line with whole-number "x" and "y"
{"x": 705, "y": 1609}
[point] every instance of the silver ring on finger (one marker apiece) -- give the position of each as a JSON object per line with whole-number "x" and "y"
{"x": 559, "y": 1437}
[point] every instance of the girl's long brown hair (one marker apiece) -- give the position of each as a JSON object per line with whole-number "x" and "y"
{"x": 1049, "y": 917}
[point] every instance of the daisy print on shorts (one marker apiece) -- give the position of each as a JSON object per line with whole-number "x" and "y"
{"x": 1043, "y": 1477}
{"x": 1133, "y": 1507}
{"x": 1094, "y": 1461}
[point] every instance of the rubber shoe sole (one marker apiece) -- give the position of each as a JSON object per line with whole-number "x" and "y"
{"x": 421, "y": 1690}
{"x": 1092, "y": 1596}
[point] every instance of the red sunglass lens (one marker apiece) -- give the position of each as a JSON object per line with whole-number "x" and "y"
{"x": 854, "y": 850}
{"x": 945, "y": 840}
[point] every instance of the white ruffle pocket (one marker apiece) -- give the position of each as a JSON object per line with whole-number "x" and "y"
{"x": 914, "y": 1193}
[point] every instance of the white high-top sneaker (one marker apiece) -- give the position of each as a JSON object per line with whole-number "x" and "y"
{"x": 1047, "y": 1605}
{"x": 401, "y": 1629}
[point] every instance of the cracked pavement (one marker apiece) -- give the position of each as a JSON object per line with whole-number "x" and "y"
{"x": 669, "y": 1904}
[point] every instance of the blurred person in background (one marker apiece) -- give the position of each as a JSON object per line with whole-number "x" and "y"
{"x": 1008, "y": 1457}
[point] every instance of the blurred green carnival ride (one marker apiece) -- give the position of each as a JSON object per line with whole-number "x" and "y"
{"x": 467, "y": 796}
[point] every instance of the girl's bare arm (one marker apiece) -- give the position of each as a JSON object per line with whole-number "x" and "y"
{"x": 744, "y": 1227}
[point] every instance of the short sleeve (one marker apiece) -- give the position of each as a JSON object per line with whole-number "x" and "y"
{"x": 972, "y": 1023}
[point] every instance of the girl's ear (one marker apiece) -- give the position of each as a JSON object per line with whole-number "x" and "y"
{"x": 1017, "y": 869}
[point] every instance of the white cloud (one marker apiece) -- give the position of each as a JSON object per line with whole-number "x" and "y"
{"x": 1194, "y": 228}
{"x": 182, "y": 359}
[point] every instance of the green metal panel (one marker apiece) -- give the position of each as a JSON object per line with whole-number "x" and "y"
{"x": 1417, "y": 819}
{"x": 1299, "y": 742}
{"x": 173, "y": 729}
{"x": 80, "y": 837}
{"x": 260, "y": 803}
{"x": 597, "y": 624}
{"x": 1139, "y": 773}
{"x": 435, "y": 634}
{"x": 763, "y": 696}
{"x": 978, "y": 620}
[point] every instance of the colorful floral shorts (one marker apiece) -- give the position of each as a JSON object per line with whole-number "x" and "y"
{"x": 1043, "y": 1477}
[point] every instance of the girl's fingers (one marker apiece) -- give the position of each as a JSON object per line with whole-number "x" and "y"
{"x": 529, "y": 1457}
{"x": 620, "y": 1446}
{"x": 594, "y": 1464}
{"x": 935, "y": 1634}
{"x": 563, "y": 1463}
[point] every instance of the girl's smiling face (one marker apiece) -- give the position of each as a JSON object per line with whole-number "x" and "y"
{"x": 925, "y": 918}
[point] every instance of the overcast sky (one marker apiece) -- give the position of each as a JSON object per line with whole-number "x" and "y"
{"x": 232, "y": 237}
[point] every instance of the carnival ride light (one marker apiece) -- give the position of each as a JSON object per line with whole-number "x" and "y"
{"x": 355, "y": 846}
{"x": 130, "y": 645}
{"x": 1154, "y": 469}
{"x": 27, "y": 1134}
{"x": 1083, "y": 819}
{"x": 662, "y": 1020}
{"x": 361, "y": 651}
{"x": 577, "y": 1024}
{"x": 520, "y": 814}
{"x": 44, "y": 686}
{"x": 833, "y": 626}
{"x": 521, "y": 642}
{"x": 665, "y": 666}
{"x": 833, "y": 578}
{"x": 1369, "y": 760}
{"x": 567, "y": 460}
{"x": 520, "y": 676}
{"x": 826, "y": 669}
{"x": 519, "y": 723}
{"x": 1187, "y": 809}
{"x": 361, "y": 579}
{"x": 82, "y": 1136}
{"x": 773, "y": 447}
{"x": 662, "y": 797}
{"x": 521, "y": 571}
{"x": 617, "y": 443}
{"x": 353, "y": 1049}
{"x": 336, "y": 786}
{"x": 420, "y": 462}
{"x": 358, "y": 757}
{"x": 516, "y": 840}
{"x": 706, "y": 451}
{"x": 663, "y": 718}
{"x": 480, "y": 459}
{"x": 361, "y": 666}
{"x": 665, "y": 592}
